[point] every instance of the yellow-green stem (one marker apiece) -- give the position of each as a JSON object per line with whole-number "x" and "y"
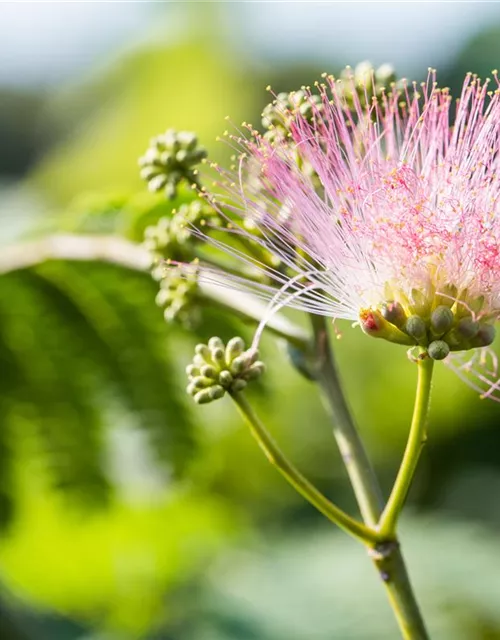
{"x": 389, "y": 562}
{"x": 359, "y": 468}
{"x": 416, "y": 441}
{"x": 277, "y": 458}
{"x": 386, "y": 556}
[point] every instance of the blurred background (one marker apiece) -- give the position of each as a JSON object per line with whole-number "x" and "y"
{"x": 126, "y": 511}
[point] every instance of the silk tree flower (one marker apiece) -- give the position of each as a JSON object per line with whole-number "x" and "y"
{"x": 396, "y": 223}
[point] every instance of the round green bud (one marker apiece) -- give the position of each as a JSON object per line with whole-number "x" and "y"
{"x": 438, "y": 350}
{"x": 485, "y": 336}
{"x": 415, "y": 327}
{"x": 468, "y": 328}
{"x": 441, "y": 319}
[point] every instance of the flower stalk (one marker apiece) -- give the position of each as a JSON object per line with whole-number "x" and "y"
{"x": 359, "y": 468}
{"x": 386, "y": 556}
{"x": 416, "y": 441}
{"x": 278, "y": 459}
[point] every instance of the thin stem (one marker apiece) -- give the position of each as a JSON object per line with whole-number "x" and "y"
{"x": 387, "y": 556}
{"x": 416, "y": 441}
{"x": 361, "y": 474}
{"x": 278, "y": 459}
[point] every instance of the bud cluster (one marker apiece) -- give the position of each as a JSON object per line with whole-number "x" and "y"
{"x": 177, "y": 294}
{"x": 170, "y": 237}
{"x": 439, "y": 330}
{"x": 171, "y": 159}
{"x": 369, "y": 83}
{"x": 219, "y": 368}
{"x": 276, "y": 115}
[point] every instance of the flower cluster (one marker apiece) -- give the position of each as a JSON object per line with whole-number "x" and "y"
{"x": 403, "y": 234}
{"x": 171, "y": 159}
{"x": 178, "y": 293}
{"x": 172, "y": 236}
{"x": 217, "y": 369}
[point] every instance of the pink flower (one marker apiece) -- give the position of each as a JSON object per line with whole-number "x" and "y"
{"x": 384, "y": 211}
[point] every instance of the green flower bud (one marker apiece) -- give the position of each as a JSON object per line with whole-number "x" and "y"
{"x": 239, "y": 384}
{"x": 416, "y": 327}
{"x": 201, "y": 382}
{"x": 192, "y": 370}
{"x": 208, "y": 395}
{"x": 218, "y": 355}
{"x": 467, "y": 327}
{"x": 441, "y": 320}
{"x": 204, "y": 351}
{"x": 226, "y": 378}
{"x": 215, "y": 343}
{"x": 484, "y": 337}
{"x": 208, "y": 371}
{"x": 438, "y": 350}
{"x": 255, "y": 371}
{"x": 234, "y": 348}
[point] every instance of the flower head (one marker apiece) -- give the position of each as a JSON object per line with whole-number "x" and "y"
{"x": 402, "y": 235}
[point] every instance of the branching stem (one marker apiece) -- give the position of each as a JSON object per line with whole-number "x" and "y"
{"x": 278, "y": 459}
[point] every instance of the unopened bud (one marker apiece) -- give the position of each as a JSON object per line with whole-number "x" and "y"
{"x": 468, "y": 328}
{"x": 218, "y": 356}
{"x": 394, "y": 313}
{"x": 441, "y": 320}
{"x": 374, "y": 324}
{"x": 226, "y": 378}
{"x": 239, "y": 385}
{"x": 215, "y": 343}
{"x": 416, "y": 327}
{"x": 208, "y": 371}
{"x": 208, "y": 395}
{"x": 484, "y": 337}
{"x": 438, "y": 350}
{"x": 234, "y": 348}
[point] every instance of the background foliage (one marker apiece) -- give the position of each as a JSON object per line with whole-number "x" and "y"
{"x": 128, "y": 513}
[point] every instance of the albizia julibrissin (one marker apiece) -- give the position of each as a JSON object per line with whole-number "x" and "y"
{"x": 382, "y": 210}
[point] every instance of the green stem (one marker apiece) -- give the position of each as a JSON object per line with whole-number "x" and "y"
{"x": 416, "y": 441}
{"x": 387, "y": 556}
{"x": 277, "y": 458}
{"x": 361, "y": 474}
{"x": 389, "y": 562}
